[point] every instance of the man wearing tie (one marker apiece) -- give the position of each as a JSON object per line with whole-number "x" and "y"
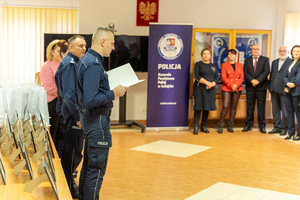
{"x": 277, "y": 91}
{"x": 256, "y": 69}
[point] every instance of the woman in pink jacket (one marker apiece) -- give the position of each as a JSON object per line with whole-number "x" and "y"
{"x": 232, "y": 78}
{"x": 47, "y": 75}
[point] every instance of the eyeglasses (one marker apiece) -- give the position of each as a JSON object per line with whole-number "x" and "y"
{"x": 255, "y": 49}
{"x": 282, "y": 51}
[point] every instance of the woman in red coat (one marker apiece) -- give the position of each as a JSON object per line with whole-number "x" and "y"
{"x": 232, "y": 78}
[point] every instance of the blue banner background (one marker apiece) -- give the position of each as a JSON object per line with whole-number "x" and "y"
{"x": 167, "y": 102}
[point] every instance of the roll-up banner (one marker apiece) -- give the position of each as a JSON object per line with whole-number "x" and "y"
{"x": 168, "y": 76}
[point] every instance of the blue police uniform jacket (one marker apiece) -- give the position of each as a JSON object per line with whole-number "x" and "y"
{"x": 92, "y": 83}
{"x": 59, "y": 102}
{"x": 65, "y": 78}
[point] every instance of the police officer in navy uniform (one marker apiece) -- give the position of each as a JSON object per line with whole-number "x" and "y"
{"x": 61, "y": 125}
{"x": 95, "y": 98}
{"x": 66, "y": 84}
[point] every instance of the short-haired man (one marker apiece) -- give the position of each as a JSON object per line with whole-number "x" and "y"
{"x": 256, "y": 69}
{"x": 66, "y": 84}
{"x": 95, "y": 98}
{"x": 277, "y": 91}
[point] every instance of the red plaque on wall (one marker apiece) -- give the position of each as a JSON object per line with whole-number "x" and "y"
{"x": 147, "y": 11}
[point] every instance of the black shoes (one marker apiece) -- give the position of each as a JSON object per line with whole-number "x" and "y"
{"x": 296, "y": 138}
{"x": 283, "y": 132}
{"x": 203, "y": 127}
{"x": 230, "y": 125}
{"x": 262, "y": 130}
{"x": 196, "y": 128}
{"x": 220, "y": 127}
{"x": 274, "y": 131}
{"x": 288, "y": 137}
{"x": 246, "y": 129}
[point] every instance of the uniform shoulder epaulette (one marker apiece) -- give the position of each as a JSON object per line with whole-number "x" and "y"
{"x": 72, "y": 61}
{"x": 96, "y": 61}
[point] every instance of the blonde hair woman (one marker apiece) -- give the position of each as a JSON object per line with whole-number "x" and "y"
{"x": 47, "y": 75}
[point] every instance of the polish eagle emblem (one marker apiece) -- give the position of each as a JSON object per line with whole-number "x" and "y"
{"x": 147, "y": 10}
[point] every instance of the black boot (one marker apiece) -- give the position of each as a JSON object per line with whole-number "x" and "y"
{"x": 196, "y": 129}
{"x": 230, "y": 125}
{"x": 203, "y": 127}
{"x": 196, "y": 122}
{"x": 220, "y": 127}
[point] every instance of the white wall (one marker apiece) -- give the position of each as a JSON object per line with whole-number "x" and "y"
{"x": 284, "y": 7}
{"x": 242, "y": 14}
{"x": 229, "y": 14}
{"x": 292, "y": 6}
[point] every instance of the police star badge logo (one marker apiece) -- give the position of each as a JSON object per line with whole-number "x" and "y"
{"x": 147, "y": 10}
{"x": 251, "y": 42}
{"x": 218, "y": 43}
{"x": 170, "y": 46}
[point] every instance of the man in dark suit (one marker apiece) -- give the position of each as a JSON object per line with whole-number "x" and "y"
{"x": 256, "y": 69}
{"x": 277, "y": 92}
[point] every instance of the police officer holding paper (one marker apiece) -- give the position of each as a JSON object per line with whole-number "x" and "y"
{"x": 95, "y": 98}
{"x": 66, "y": 84}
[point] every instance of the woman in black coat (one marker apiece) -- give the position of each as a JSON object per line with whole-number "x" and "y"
{"x": 292, "y": 97}
{"x": 204, "y": 95}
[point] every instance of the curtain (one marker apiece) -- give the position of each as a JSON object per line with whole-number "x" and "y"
{"x": 22, "y": 38}
{"x": 292, "y": 29}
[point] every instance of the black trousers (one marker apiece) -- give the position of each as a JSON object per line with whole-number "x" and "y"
{"x": 292, "y": 106}
{"x": 54, "y": 120}
{"x": 279, "y": 111}
{"x": 60, "y": 134}
{"x": 73, "y": 145}
{"x": 259, "y": 98}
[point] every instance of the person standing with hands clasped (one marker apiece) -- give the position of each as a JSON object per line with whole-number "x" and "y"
{"x": 256, "y": 69}
{"x": 204, "y": 95}
{"x": 277, "y": 92}
{"x": 292, "y": 91}
{"x": 95, "y": 99}
{"x": 232, "y": 78}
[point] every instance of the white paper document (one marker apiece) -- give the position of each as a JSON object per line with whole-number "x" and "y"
{"x": 123, "y": 75}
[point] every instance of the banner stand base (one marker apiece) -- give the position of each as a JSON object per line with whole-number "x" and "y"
{"x": 122, "y": 116}
{"x": 130, "y": 123}
{"x": 158, "y": 129}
